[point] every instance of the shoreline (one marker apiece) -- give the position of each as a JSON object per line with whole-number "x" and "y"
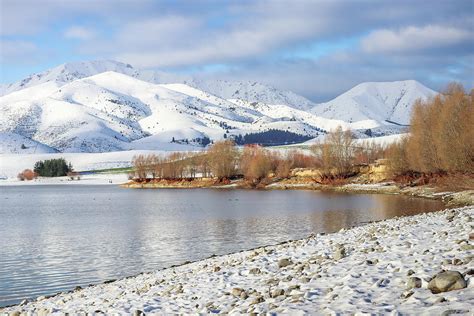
{"x": 451, "y": 198}
{"x": 322, "y": 272}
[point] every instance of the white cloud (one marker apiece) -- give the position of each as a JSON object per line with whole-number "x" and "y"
{"x": 412, "y": 39}
{"x": 79, "y": 32}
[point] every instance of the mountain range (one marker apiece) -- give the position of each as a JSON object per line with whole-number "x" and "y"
{"x": 101, "y": 106}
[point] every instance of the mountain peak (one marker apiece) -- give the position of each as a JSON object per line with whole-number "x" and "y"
{"x": 389, "y": 101}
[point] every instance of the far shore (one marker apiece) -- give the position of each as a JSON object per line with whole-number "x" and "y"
{"x": 451, "y": 198}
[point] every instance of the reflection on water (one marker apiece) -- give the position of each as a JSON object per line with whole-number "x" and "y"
{"x": 54, "y": 238}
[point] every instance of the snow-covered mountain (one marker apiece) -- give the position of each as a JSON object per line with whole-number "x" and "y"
{"x": 380, "y": 101}
{"x": 245, "y": 90}
{"x": 112, "y": 111}
{"x": 107, "y": 106}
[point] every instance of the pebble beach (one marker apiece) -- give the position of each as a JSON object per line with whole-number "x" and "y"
{"x": 422, "y": 264}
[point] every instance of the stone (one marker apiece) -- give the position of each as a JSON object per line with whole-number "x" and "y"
{"x": 447, "y": 281}
{"x": 407, "y": 294}
{"x": 284, "y": 262}
{"x": 272, "y": 282}
{"x": 305, "y": 280}
{"x": 257, "y": 300}
{"x": 254, "y": 271}
{"x": 244, "y": 295}
{"x": 138, "y": 313}
{"x": 457, "y": 262}
{"x": 339, "y": 253}
{"x": 413, "y": 282}
{"x": 237, "y": 291}
{"x": 217, "y": 269}
{"x": 277, "y": 292}
{"x": 24, "y": 302}
{"x": 440, "y": 300}
{"x": 294, "y": 287}
{"x": 469, "y": 272}
{"x": 410, "y": 272}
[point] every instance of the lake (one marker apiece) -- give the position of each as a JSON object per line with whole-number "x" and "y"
{"x": 53, "y": 238}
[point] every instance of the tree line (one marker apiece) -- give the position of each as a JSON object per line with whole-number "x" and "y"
{"x": 255, "y": 163}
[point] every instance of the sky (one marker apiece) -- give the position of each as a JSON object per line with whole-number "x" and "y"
{"x": 317, "y": 48}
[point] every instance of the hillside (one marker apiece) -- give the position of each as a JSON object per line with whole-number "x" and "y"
{"x": 379, "y": 101}
{"x": 111, "y": 111}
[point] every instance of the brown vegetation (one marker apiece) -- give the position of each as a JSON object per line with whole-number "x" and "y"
{"x": 441, "y": 139}
{"x": 27, "y": 174}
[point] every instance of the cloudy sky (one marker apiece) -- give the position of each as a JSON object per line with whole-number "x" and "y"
{"x": 316, "y": 48}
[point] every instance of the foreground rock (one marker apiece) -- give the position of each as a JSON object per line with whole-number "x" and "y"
{"x": 447, "y": 281}
{"x": 411, "y": 265}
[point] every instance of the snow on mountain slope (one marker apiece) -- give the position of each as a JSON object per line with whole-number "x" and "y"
{"x": 85, "y": 107}
{"x": 112, "y": 111}
{"x": 379, "y": 101}
{"x": 12, "y": 143}
{"x": 250, "y": 91}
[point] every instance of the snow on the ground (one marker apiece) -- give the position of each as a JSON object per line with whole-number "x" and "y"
{"x": 382, "y": 140}
{"x": 86, "y": 179}
{"x": 379, "y": 268}
{"x": 12, "y": 143}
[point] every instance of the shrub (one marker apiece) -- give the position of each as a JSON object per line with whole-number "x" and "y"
{"x": 27, "y": 174}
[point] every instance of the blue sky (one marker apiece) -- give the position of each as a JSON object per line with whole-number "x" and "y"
{"x": 316, "y": 48}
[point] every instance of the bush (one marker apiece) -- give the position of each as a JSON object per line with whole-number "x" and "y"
{"x": 223, "y": 158}
{"x": 336, "y": 153}
{"x": 255, "y": 163}
{"x": 27, "y": 174}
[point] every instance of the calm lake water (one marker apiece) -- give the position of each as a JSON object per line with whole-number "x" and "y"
{"x": 53, "y": 238}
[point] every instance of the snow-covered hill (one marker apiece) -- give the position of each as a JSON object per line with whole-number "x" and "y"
{"x": 112, "y": 111}
{"x": 379, "y": 101}
{"x": 105, "y": 106}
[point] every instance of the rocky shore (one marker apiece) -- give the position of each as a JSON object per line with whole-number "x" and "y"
{"x": 421, "y": 264}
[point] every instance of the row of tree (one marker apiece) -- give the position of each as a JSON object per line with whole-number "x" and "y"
{"x": 222, "y": 160}
{"x": 441, "y": 138}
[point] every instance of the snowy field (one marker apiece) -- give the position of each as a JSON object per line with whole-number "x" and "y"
{"x": 391, "y": 267}
{"x": 89, "y": 179}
